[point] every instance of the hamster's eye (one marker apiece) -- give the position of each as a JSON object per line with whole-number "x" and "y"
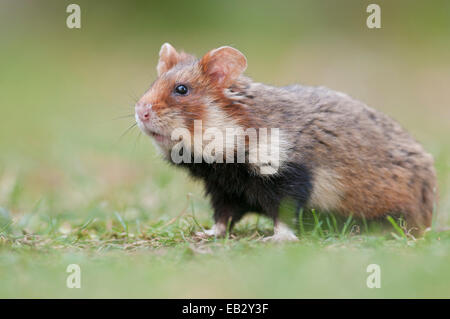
{"x": 181, "y": 89}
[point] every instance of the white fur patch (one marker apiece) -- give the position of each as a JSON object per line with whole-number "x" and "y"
{"x": 270, "y": 154}
{"x": 327, "y": 190}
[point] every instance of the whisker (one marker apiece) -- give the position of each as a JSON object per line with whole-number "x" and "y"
{"x": 123, "y": 117}
{"x": 134, "y": 96}
{"x": 127, "y": 130}
{"x": 137, "y": 140}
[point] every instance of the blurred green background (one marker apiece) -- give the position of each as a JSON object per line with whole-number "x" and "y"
{"x": 64, "y": 163}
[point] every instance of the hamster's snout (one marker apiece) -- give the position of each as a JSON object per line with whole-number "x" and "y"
{"x": 143, "y": 111}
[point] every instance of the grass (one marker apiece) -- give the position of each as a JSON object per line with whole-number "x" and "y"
{"x": 73, "y": 190}
{"x": 124, "y": 255}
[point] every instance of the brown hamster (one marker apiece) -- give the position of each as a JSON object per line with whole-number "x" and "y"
{"x": 335, "y": 153}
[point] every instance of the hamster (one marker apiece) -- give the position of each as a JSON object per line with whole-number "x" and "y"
{"x": 335, "y": 154}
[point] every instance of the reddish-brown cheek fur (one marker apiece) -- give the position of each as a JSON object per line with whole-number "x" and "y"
{"x": 164, "y": 104}
{"x": 195, "y": 105}
{"x": 193, "y": 108}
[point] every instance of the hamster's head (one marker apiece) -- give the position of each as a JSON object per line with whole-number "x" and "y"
{"x": 188, "y": 89}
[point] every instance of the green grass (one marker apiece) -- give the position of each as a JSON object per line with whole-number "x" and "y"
{"x": 72, "y": 190}
{"x": 128, "y": 255}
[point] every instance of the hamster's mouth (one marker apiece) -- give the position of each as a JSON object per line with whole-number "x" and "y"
{"x": 158, "y": 137}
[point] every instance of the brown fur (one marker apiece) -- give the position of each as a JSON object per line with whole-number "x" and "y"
{"x": 362, "y": 162}
{"x": 375, "y": 167}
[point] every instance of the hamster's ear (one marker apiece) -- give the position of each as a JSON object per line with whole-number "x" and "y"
{"x": 223, "y": 65}
{"x": 168, "y": 57}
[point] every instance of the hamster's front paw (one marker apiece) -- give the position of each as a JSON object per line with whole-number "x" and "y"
{"x": 281, "y": 237}
{"x": 218, "y": 230}
{"x": 206, "y": 234}
{"x": 282, "y": 233}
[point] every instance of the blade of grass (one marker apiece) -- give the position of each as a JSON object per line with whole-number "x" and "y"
{"x": 5, "y": 226}
{"x": 227, "y": 234}
{"x": 193, "y": 213}
{"x": 121, "y": 221}
{"x": 396, "y": 227}
{"x": 300, "y": 222}
{"x": 366, "y": 227}
{"x": 347, "y": 223}
{"x": 138, "y": 226}
{"x": 336, "y": 229}
{"x": 86, "y": 224}
{"x": 318, "y": 224}
{"x": 330, "y": 228}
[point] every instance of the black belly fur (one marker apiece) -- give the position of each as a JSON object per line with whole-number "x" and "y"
{"x": 235, "y": 190}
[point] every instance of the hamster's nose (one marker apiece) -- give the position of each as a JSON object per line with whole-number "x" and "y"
{"x": 143, "y": 112}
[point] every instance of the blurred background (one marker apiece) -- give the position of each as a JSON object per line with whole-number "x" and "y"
{"x": 64, "y": 92}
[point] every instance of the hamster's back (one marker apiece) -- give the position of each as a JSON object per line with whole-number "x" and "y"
{"x": 363, "y": 162}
